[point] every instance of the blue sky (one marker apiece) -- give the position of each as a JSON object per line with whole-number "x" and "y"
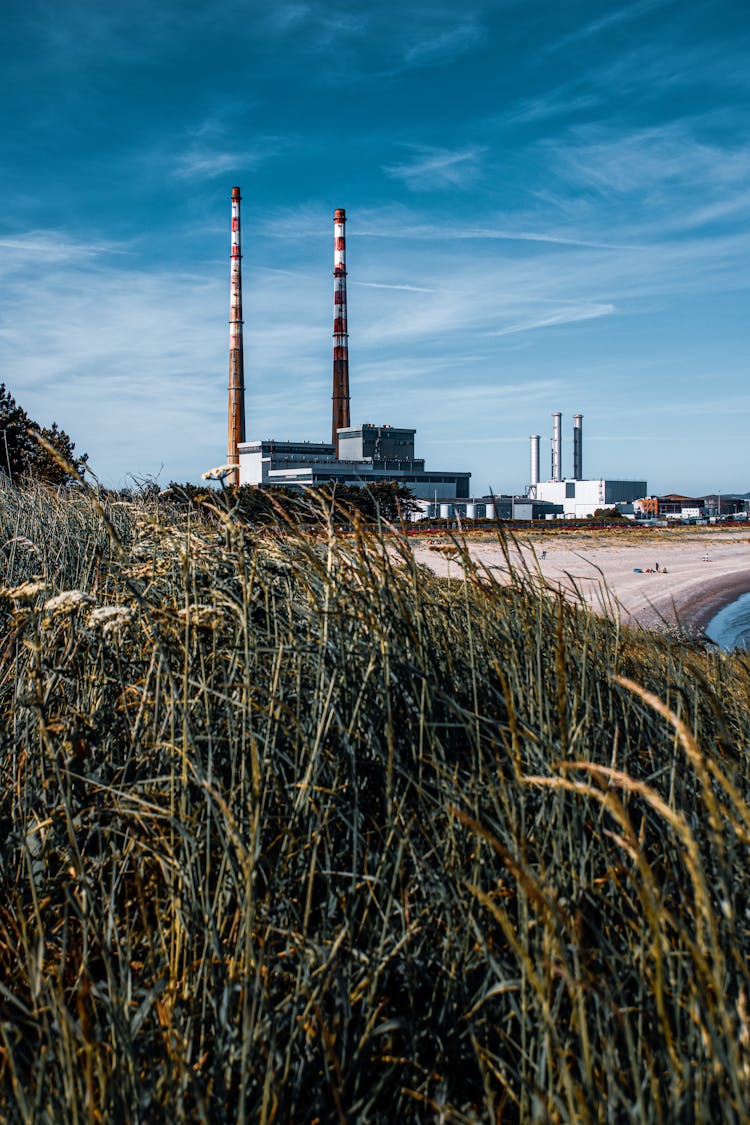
{"x": 547, "y": 210}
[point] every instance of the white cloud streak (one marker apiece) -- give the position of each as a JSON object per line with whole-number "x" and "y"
{"x": 434, "y": 168}
{"x": 385, "y": 285}
{"x": 647, "y": 159}
{"x": 564, "y": 316}
{"x": 445, "y": 45}
{"x": 604, "y": 23}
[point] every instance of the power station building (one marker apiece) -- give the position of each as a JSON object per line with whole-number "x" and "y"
{"x": 367, "y": 454}
{"x": 576, "y": 496}
{"x": 358, "y": 455}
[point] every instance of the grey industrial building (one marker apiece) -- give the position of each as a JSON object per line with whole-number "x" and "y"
{"x": 367, "y": 454}
{"x": 490, "y": 508}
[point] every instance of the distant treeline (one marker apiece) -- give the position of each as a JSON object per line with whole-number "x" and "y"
{"x": 383, "y": 501}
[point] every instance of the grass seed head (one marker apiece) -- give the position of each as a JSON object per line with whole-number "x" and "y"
{"x": 109, "y": 618}
{"x": 219, "y": 473}
{"x": 25, "y": 592}
{"x": 68, "y": 601}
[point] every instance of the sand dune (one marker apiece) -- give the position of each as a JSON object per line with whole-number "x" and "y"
{"x": 705, "y": 569}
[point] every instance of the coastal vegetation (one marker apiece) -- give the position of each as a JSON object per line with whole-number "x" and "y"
{"x": 294, "y": 830}
{"x": 24, "y": 458}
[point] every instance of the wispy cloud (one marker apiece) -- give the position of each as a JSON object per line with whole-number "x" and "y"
{"x": 54, "y": 248}
{"x": 282, "y": 18}
{"x": 561, "y": 102}
{"x": 132, "y": 358}
{"x": 315, "y": 26}
{"x": 554, "y": 320}
{"x": 604, "y": 23}
{"x": 445, "y": 45}
{"x": 714, "y": 212}
{"x": 134, "y": 394}
{"x": 208, "y": 148}
{"x": 393, "y": 220}
{"x": 433, "y": 168}
{"x": 662, "y": 157}
{"x": 649, "y": 188}
{"x": 206, "y": 162}
{"x": 385, "y": 285}
{"x": 708, "y": 73}
{"x": 551, "y": 237}
{"x": 71, "y": 34}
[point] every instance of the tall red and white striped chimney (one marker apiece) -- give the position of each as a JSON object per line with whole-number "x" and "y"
{"x": 236, "y": 403}
{"x": 340, "y": 419}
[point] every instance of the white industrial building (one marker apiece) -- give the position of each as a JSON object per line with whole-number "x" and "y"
{"x": 581, "y": 498}
{"x": 577, "y": 497}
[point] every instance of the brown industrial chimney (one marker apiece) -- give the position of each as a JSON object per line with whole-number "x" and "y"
{"x": 236, "y": 405}
{"x": 340, "y": 419}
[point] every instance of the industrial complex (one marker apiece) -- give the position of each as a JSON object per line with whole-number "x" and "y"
{"x": 364, "y": 454}
{"x": 356, "y": 455}
{"x": 577, "y": 496}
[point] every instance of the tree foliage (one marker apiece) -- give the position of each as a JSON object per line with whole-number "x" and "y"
{"x": 386, "y": 501}
{"x": 23, "y": 455}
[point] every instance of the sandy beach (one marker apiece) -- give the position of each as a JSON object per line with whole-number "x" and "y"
{"x": 700, "y": 570}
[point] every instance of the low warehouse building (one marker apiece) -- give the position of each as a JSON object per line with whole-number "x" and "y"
{"x": 581, "y": 498}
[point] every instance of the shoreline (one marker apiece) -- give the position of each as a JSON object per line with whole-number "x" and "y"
{"x": 698, "y": 575}
{"x": 715, "y": 596}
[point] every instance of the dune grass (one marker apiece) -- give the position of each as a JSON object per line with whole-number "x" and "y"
{"x": 295, "y": 831}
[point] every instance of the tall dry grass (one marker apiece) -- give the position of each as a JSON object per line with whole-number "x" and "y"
{"x": 294, "y": 831}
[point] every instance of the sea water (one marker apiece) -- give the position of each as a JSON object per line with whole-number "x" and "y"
{"x": 731, "y": 626}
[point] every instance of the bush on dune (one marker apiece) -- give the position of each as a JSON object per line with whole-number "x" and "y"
{"x": 296, "y": 831}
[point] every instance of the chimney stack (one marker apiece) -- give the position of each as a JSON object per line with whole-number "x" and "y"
{"x": 556, "y": 446}
{"x": 578, "y": 447}
{"x": 534, "y": 461}
{"x": 236, "y": 404}
{"x": 340, "y": 418}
